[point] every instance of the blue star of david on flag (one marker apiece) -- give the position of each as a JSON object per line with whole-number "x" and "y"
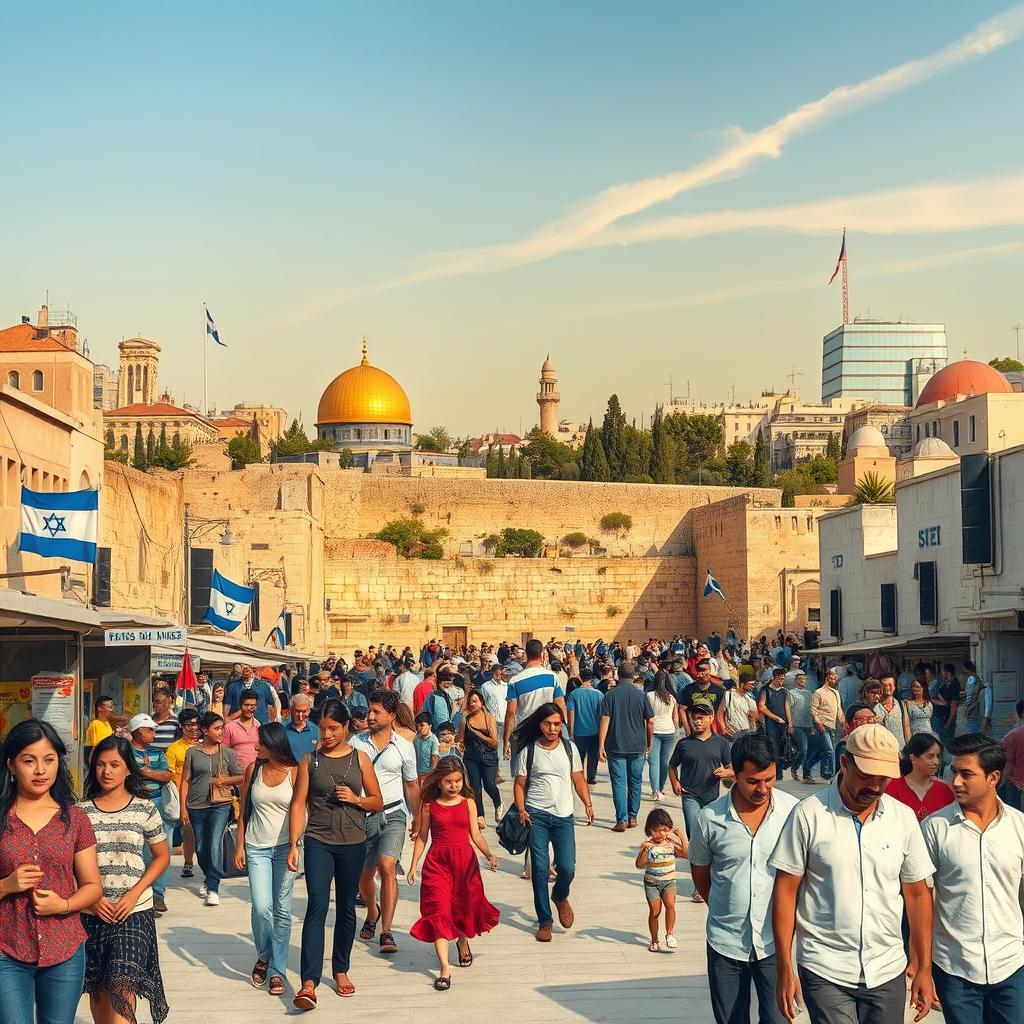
{"x": 54, "y": 524}
{"x": 229, "y": 603}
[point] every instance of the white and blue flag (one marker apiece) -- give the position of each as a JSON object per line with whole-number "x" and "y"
{"x": 277, "y": 634}
{"x": 60, "y": 524}
{"x": 211, "y": 329}
{"x": 229, "y": 603}
{"x": 712, "y": 586}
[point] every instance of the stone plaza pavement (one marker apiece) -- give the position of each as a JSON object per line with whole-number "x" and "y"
{"x": 600, "y": 971}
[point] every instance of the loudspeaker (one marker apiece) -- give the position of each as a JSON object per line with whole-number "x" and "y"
{"x": 835, "y": 613}
{"x": 287, "y": 627}
{"x": 927, "y": 593}
{"x": 199, "y": 583}
{"x": 976, "y": 509}
{"x": 101, "y": 579}
{"x": 254, "y": 611}
{"x": 888, "y": 607}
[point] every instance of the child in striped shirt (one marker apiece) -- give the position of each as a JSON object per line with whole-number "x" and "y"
{"x": 657, "y": 857}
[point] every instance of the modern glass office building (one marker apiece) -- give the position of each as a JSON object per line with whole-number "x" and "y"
{"x": 886, "y": 363}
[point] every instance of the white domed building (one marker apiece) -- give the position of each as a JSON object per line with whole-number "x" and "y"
{"x": 929, "y": 455}
{"x": 866, "y": 452}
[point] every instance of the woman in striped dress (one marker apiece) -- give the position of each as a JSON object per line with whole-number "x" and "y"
{"x": 122, "y": 963}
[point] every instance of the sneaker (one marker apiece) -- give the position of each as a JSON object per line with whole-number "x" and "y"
{"x": 499, "y": 812}
{"x": 213, "y": 899}
{"x": 792, "y": 771}
{"x": 186, "y": 871}
{"x": 203, "y": 891}
{"x": 807, "y": 780}
{"x": 670, "y": 941}
{"x": 159, "y": 905}
{"x": 387, "y": 943}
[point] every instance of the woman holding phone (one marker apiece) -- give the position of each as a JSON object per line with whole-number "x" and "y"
{"x": 335, "y": 788}
{"x": 263, "y": 845}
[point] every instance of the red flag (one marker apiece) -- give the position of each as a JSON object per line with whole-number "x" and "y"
{"x": 186, "y": 677}
{"x": 841, "y": 260}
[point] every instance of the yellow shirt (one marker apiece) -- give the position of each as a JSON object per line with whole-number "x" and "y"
{"x": 175, "y": 755}
{"x": 97, "y": 731}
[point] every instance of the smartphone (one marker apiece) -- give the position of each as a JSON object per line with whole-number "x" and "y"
{"x": 339, "y": 780}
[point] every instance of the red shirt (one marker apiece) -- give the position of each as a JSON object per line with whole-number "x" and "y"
{"x": 43, "y": 941}
{"x": 421, "y": 693}
{"x": 1013, "y": 741}
{"x": 938, "y": 796}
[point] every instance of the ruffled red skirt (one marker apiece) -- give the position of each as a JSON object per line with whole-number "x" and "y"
{"x": 452, "y": 899}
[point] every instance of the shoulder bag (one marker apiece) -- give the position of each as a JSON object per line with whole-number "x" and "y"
{"x": 221, "y": 794}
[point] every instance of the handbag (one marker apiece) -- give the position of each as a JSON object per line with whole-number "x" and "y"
{"x": 228, "y": 845}
{"x": 170, "y": 802}
{"x": 221, "y": 794}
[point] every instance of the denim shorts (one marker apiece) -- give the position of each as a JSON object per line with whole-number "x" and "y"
{"x": 656, "y": 890}
{"x": 385, "y": 836}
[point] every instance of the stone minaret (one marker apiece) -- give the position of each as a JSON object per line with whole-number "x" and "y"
{"x": 140, "y": 367}
{"x": 548, "y": 398}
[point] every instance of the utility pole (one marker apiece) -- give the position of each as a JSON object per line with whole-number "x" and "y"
{"x": 793, "y": 374}
{"x": 1017, "y": 328}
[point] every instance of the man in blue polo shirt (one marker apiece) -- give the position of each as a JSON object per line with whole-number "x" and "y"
{"x": 584, "y": 704}
{"x": 528, "y": 690}
{"x": 266, "y": 701}
{"x": 303, "y": 735}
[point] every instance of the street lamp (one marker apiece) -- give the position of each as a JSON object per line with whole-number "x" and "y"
{"x": 195, "y": 527}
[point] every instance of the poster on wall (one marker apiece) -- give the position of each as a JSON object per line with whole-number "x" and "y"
{"x": 15, "y": 705}
{"x": 54, "y": 700}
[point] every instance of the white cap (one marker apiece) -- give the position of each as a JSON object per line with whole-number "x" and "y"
{"x": 141, "y": 722}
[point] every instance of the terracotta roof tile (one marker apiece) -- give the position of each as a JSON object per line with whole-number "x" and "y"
{"x": 156, "y": 409}
{"x": 22, "y": 338}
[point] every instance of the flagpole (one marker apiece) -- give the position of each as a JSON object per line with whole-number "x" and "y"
{"x": 206, "y": 399}
{"x": 846, "y": 291}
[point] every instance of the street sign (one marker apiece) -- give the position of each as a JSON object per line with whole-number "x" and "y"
{"x": 164, "y": 636}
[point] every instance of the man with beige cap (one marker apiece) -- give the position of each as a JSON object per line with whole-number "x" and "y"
{"x": 846, "y": 862}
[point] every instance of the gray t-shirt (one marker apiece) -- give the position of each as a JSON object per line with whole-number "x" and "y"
{"x": 199, "y": 768}
{"x": 695, "y": 762}
{"x": 627, "y": 709}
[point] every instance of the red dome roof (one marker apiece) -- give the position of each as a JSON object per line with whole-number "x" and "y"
{"x": 967, "y": 377}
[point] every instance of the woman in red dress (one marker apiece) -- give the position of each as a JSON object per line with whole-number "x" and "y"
{"x": 918, "y": 787}
{"x": 452, "y": 900}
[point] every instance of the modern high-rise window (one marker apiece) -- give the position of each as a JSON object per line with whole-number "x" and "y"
{"x": 881, "y": 362}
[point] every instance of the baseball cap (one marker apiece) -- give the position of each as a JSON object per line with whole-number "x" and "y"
{"x": 701, "y": 709}
{"x": 874, "y": 750}
{"x": 141, "y": 722}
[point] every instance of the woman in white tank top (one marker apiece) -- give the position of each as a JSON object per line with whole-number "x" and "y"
{"x": 263, "y": 848}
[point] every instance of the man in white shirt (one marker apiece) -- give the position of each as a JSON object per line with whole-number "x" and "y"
{"x": 739, "y": 714}
{"x": 849, "y": 686}
{"x": 977, "y": 845}
{"x": 728, "y": 856}
{"x": 406, "y": 682}
{"x": 842, "y": 862}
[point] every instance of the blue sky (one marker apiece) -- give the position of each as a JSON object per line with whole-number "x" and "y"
{"x": 339, "y": 169}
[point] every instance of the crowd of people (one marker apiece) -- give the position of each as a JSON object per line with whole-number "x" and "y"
{"x": 885, "y": 877}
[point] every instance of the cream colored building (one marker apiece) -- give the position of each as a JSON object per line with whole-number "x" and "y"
{"x": 799, "y": 431}
{"x": 891, "y": 421}
{"x": 138, "y": 372}
{"x": 184, "y": 424}
{"x": 866, "y": 452}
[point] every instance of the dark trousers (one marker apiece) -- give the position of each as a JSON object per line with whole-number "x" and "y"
{"x": 967, "y": 1003}
{"x": 482, "y": 777}
{"x": 829, "y": 1003}
{"x": 208, "y": 824}
{"x": 587, "y": 746}
{"x": 324, "y": 864}
{"x": 776, "y": 732}
{"x": 730, "y": 981}
{"x": 558, "y": 833}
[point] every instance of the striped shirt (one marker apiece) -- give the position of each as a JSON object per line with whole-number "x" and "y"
{"x": 166, "y": 733}
{"x": 120, "y": 839}
{"x": 661, "y": 864}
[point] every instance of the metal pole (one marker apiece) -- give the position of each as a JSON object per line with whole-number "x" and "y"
{"x": 206, "y": 398}
{"x": 187, "y": 583}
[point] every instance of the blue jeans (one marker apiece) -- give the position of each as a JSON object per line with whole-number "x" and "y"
{"x": 208, "y": 824}
{"x": 967, "y": 1003}
{"x": 802, "y": 739}
{"x": 160, "y": 885}
{"x": 270, "y": 888}
{"x": 50, "y": 993}
{"x": 662, "y": 745}
{"x": 548, "y": 831}
{"x": 821, "y": 749}
{"x": 691, "y": 808}
{"x": 627, "y": 774}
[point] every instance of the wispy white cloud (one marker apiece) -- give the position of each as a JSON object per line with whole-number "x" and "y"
{"x": 587, "y": 225}
{"x": 755, "y": 289}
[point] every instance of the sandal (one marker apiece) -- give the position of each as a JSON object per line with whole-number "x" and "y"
{"x": 276, "y": 986}
{"x": 369, "y": 928}
{"x": 387, "y": 943}
{"x": 346, "y": 989}
{"x": 259, "y": 973}
{"x": 697, "y": 898}
{"x": 654, "y": 947}
{"x": 442, "y": 984}
{"x": 465, "y": 958}
{"x": 305, "y": 998}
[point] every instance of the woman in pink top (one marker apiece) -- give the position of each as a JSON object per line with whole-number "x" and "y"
{"x": 918, "y": 788}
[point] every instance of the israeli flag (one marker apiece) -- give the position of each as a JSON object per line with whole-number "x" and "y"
{"x": 278, "y": 632}
{"x": 229, "y": 603}
{"x": 60, "y": 524}
{"x": 211, "y": 329}
{"x": 712, "y": 586}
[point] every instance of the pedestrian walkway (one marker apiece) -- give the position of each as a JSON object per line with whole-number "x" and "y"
{"x": 600, "y": 971}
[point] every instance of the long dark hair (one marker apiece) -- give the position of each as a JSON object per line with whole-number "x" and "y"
{"x": 663, "y": 687}
{"x": 23, "y": 735}
{"x": 134, "y": 783}
{"x": 274, "y": 737}
{"x": 918, "y": 744}
{"x": 528, "y": 730}
{"x": 431, "y": 788}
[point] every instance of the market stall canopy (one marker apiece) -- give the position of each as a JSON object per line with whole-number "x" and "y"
{"x": 18, "y": 609}
{"x": 217, "y": 649}
{"x": 908, "y": 645}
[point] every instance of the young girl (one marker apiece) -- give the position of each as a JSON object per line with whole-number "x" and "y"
{"x": 121, "y": 959}
{"x": 452, "y": 900}
{"x": 446, "y": 745}
{"x": 657, "y": 857}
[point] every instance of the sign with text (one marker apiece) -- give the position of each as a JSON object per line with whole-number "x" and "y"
{"x": 54, "y": 701}
{"x": 173, "y": 662}
{"x": 166, "y": 636}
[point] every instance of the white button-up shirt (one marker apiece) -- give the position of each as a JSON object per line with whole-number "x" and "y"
{"x": 392, "y": 765}
{"x": 739, "y": 910}
{"x": 979, "y": 927}
{"x": 849, "y": 908}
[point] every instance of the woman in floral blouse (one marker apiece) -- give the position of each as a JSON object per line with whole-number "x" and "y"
{"x": 48, "y": 874}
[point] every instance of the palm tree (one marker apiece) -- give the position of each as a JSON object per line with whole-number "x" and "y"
{"x": 873, "y": 489}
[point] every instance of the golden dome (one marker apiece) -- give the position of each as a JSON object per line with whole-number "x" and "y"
{"x": 364, "y": 394}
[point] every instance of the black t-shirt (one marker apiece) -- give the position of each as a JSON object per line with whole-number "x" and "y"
{"x": 775, "y": 701}
{"x": 695, "y": 762}
{"x": 627, "y": 709}
{"x": 692, "y": 695}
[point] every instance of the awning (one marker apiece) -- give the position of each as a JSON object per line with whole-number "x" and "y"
{"x": 898, "y": 644}
{"x": 1006, "y": 618}
{"x": 219, "y": 649}
{"x": 20, "y": 609}
{"x": 860, "y": 646}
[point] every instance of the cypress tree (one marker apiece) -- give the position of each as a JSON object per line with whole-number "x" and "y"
{"x": 593, "y": 463}
{"x": 150, "y": 447}
{"x": 512, "y": 469}
{"x": 762, "y": 461}
{"x": 492, "y": 462}
{"x": 832, "y": 448}
{"x": 500, "y": 468}
{"x": 139, "y": 450}
{"x": 663, "y": 456}
{"x": 108, "y": 439}
{"x": 612, "y": 430}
